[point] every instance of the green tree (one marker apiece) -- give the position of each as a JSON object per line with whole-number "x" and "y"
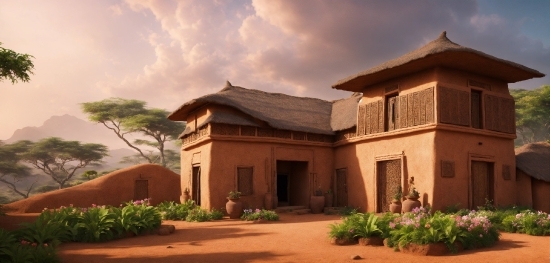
{"x": 90, "y": 175}
{"x": 15, "y": 66}
{"x": 12, "y": 171}
{"x": 532, "y": 114}
{"x": 130, "y": 116}
{"x": 61, "y": 159}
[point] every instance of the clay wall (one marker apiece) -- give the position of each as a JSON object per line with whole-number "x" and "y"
{"x": 406, "y": 84}
{"x": 524, "y": 195}
{"x": 541, "y": 194}
{"x": 227, "y": 155}
{"x": 111, "y": 189}
{"x": 459, "y": 149}
{"x": 360, "y": 159}
{"x": 455, "y": 78}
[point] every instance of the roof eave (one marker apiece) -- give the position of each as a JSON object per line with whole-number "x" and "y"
{"x": 461, "y": 60}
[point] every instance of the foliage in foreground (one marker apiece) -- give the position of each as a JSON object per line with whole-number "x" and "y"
{"x": 419, "y": 227}
{"x": 187, "y": 211}
{"x": 259, "y": 214}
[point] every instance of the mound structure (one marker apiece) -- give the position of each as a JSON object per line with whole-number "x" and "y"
{"x": 132, "y": 183}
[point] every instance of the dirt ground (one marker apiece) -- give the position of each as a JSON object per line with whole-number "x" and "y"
{"x": 295, "y": 238}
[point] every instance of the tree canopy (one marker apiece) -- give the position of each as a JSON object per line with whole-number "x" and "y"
{"x": 11, "y": 169}
{"x": 15, "y": 66}
{"x": 130, "y": 116}
{"x": 61, "y": 159}
{"x": 532, "y": 114}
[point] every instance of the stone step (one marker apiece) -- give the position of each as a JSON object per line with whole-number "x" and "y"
{"x": 288, "y": 209}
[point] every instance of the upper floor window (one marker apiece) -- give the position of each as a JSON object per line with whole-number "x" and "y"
{"x": 476, "y": 112}
{"x": 392, "y": 112}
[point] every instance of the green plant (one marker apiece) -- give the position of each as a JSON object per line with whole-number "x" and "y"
{"x": 452, "y": 209}
{"x": 413, "y": 193}
{"x": 398, "y": 194}
{"x": 528, "y": 222}
{"x": 251, "y": 215}
{"x": 341, "y": 231}
{"x": 347, "y": 210}
{"x": 366, "y": 225}
{"x": 173, "y": 211}
{"x": 96, "y": 224}
{"x": 234, "y": 194}
{"x": 198, "y": 215}
{"x": 215, "y": 214}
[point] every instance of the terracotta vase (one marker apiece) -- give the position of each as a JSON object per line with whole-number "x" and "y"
{"x": 234, "y": 208}
{"x": 328, "y": 200}
{"x": 316, "y": 204}
{"x": 410, "y": 204}
{"x": 395, "y": 207}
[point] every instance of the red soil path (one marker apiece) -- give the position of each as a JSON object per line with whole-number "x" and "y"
{"x": 295, "y": 238}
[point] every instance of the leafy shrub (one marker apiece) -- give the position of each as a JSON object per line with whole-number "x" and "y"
{"x": 342, "y": 231}
{"x": 198, "y": 215}
{"x": 24, "y": 251}
{"x": 365, "y": 225}
{"x": 256, "y": 214}
{"x": 173, "y": 211}
{"x": 528, "y": 222}
{"x": 216, "y": 214}
{"x": 96, "y": 224}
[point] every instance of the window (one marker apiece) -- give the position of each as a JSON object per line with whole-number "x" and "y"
{"x": 392, "y": 112}
{"x": 475, "y": 100}
{"x": 244, "y": 180}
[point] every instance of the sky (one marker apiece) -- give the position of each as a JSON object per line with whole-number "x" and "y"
{"x": 169, "y": 52}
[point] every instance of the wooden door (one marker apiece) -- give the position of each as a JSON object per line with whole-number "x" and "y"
{"x": 141, "y": 189}
{"x": 387, "y": 183}
{"x": 482, "y": 183}
{"x": 196, "y": 185}
{"x": 341, "y": 187}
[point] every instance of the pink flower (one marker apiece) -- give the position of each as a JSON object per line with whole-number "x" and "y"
{"x": 94, "y": 205}
{"x": 392, "y": 225}
{"x": 33, "y": 244}
{"x": 45, "y": 244}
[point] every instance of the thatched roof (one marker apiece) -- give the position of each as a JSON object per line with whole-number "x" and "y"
{"x": 444, "y": 53}
{"x": 534, "y": 160}
{"x": 344, "y": 112}
{"x": 277, "y": 110}
{"x": 221, "y": 117}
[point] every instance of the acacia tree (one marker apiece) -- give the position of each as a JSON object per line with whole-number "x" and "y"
{"x": 61, "y": 159}
{"x": 532, "y": 114}
{"x": 11, "y": 170}
{"x": 15, "y": 66}
{"x": 130, "y": 116}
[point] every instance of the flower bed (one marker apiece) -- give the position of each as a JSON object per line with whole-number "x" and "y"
{"x": 416, "y": 230}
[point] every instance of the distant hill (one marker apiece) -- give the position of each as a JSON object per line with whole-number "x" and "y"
{"x": 69, "y": 128}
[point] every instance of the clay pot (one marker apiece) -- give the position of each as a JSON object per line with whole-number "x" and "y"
{"x": 410, "y": 204}
{"x": 328, "y": 199}
{"x": 234, "y": 208}
{"x": 316, "y": 204}
{"x": 395, "y": 207}
{"x": 371, "y": 241}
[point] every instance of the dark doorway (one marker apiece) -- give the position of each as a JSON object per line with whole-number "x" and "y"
{"x": 387, "y": 184}
{"x": 482, "y": 183}
{"x": 141, "y": 189}
{"x": 282, "y": 189}
{"x": 196, "y": 185}
{"x": 292, "y": 183}
{"x": 341, "y": 187}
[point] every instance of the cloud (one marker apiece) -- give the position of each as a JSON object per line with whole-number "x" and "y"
{"x": 303, "y": 47}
